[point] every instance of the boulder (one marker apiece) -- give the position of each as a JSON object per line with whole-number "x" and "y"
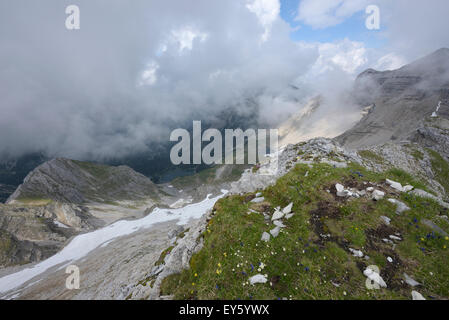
{"x": 265, "y": 237}
{"x": 375, "y": 277}
{"x": 277, "y": 215}
{"x": 417, "y": 296}
{"x": 400, "y": 206}
{"x": 258, "y": 278}
{"x": 288, "y": 208}
{"x": 275, "y": 232}
{"x": 378, "y": 195}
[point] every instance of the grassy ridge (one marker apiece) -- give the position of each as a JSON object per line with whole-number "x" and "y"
{"x": 299, "y": 263}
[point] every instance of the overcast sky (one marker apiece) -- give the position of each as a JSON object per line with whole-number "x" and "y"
{"x": 136, "y": 68}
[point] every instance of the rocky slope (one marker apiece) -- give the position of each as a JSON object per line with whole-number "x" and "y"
{"x": 30, "y": 233}
{"x": 400, "y": 101}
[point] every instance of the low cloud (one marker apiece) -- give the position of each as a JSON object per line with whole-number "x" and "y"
{"x": 134, "y": 72}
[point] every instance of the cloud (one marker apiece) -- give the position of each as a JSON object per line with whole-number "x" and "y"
{"x": 390, "y": 61}
{"x": 348, "y": 55}
{"x": 321, "y": 14}
{"x": 267, "y": 11}
{"x": 415, "y": 28}
{"x": 134, "y": 72}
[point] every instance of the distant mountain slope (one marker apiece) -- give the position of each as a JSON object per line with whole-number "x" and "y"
{"x": 13, "y": 171}
{"x": 399, "y": 100}
{"x": 73, "y": 181}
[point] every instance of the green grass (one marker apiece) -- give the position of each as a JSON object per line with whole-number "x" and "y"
{"x": 97, "y": 170}
{"x": 370, "y": 155}
{"x": 299, "y": 263}
{"x": 418, "y": 155}
{"x": 163, "y": 255}
{"x": 440, "y": 168}
{"x": 34, "y": 201}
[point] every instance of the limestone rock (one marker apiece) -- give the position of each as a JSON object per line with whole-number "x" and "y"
{"x": 417, "y": 296}
{"x": 258, "y": 278}
{"x": 275, "y": 232}
{"x": 265, "y": 237}
{"x": 378, "y": 195}
{"x": 277, "y": 215}
{"x": 288, "y": 208}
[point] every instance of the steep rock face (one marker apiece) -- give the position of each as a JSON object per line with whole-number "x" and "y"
{"x": 32, "y": 233}
{"x": 80, "y": 182}
{"x": 400, "y": 100}
{"x": 434, "y": 135}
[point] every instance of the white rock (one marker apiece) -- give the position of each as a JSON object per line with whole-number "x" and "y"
{"x": 395, "y": 238}
{"x": 400, "y": 206}
{"x": 395, "y": 185}
{"x": 279, "y": 224}
{"x": 417, "y": 296}
{"x": 258, "y": 200}
{"x": 356, "y": 253}
{"x": 288, "y": 216}
{"x": 275, "y": 232}
{"x": 370, "y": 189}
{"x": 259, "y": 194}
{"x": 277, "y": 215}
{"x": 374, "y": 276}
{"x": 341, "y": 191}
{"x": 288, "y": 208}
{"x": 389, "y": 259}
{"x": 258, "y": 278}
{"x": 408, "y": 188}
{"x": 344, "y": 193}
{"x": 378, "y": 195}
{"x": 265, "y": 237}
{"x": 411, "y": 282}
{"x": 386, "y": 220}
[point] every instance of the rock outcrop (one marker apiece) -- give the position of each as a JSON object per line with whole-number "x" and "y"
{"x": 32, "y": 233}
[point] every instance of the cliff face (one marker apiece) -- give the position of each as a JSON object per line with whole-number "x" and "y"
{"x": 400, "y": 100}
{"x": 30, "y": 233}
{"x": 80, "y": 182}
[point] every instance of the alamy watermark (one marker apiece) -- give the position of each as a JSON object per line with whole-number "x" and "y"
{"x": 190, "y": 150}
{"x": 72, "y": 22}
{"x": 73, "y": 280}
{"x": 372, "y": 22}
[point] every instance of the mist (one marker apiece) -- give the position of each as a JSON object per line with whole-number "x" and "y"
{"x": 136, "y": 70}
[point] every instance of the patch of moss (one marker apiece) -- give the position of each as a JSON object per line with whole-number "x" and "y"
{"x": 97, "y": 170}
{"x": 163, "y": 255}
{"x": 370, "y": 155}
{"x": 34, "y": 201}
{"x": 418, "y": 155}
